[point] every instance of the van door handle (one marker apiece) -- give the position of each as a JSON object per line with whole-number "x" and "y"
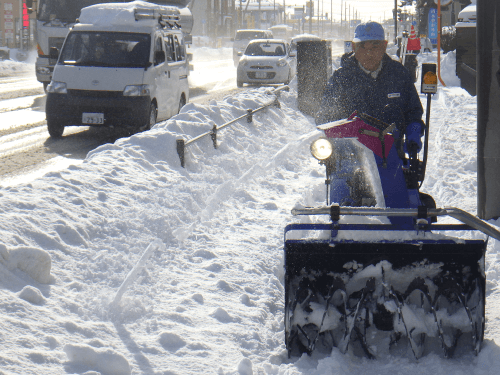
{"x": 168, "y": 73}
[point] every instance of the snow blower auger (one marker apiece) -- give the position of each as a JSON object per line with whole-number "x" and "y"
{"x": 378, "y": 279}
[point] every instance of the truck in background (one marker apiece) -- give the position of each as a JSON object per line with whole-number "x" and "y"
{"x": 55, "y": 17}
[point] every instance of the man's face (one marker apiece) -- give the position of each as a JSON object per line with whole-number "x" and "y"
{"x": 369, "y": 53}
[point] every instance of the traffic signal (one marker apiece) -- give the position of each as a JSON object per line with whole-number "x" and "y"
{"x": 29, "y": 6}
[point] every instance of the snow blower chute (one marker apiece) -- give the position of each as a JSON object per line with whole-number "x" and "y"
{"x": 381, "y": 277}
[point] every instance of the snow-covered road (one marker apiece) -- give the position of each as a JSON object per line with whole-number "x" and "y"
{"x": 212, "y": 300}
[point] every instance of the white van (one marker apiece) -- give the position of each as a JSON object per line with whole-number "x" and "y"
{"x": 122, "y": 65}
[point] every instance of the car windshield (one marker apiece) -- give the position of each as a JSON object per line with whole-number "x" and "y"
{"x": 107, "y": 49}
{"x": 249, "y": 35}
{"x": 265, "y": 49}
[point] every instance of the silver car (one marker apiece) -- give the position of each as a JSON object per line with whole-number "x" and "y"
{"x": 266, "y": 61}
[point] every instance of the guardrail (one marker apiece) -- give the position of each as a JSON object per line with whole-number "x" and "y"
{"x": 182, "y": 144}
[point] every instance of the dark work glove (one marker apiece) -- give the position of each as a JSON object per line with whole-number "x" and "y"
{"x": 413, "y": 134}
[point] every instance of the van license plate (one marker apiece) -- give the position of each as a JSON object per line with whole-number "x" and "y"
{"x": 260, "y": 74}
{"x": 93, "y": 118}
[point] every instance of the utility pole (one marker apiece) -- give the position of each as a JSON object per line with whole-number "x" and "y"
{"x": 331, "y": 18}
{"x": 234, "y": 18}
{"x": 322, "y": 17}
{"x": 274, "y": 12}
{"x": 216, "y": 18}
{"x": 345, "y": 20}
{"x": 20, "y": 24}
{"x": 284, "y": 13}
{"x": 209, "y": 19}
{"x": 395, "y": 22}
{"x": 341, "y": 15}
{"x": 258, "y": 14}
{"x": 310, "y": 16}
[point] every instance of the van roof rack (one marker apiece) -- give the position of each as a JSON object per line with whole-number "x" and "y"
{"x": 160, "y": 13}
{"x": 166, "y": 16}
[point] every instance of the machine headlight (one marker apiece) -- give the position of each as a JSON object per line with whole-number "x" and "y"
{"x": 55, "y": 87}
{"x": 281, "y": 63}
{"x": 321, "y": 149}
{"x": 136, "y": 90}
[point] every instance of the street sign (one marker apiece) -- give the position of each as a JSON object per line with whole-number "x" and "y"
{"x": 429, "y": 79}
{"x": 347, "y": 46}
{"x": 433, "y": 25}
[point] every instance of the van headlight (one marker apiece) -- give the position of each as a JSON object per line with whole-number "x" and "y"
{"x": 136, "y": 90}
{"x": 55, "y": 87}
{"x": 281, "y": 63}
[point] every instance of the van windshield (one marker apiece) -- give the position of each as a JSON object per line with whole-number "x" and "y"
{"x": 106, "y": 49}
{"x": 249, "y": 35}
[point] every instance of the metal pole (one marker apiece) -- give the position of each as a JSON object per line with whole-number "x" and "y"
{"x": 274, "y": 12}
{"x": 20, "y": 24}
{"x": 341, "y": 14}
{"x": 345, "y": 20}
{"x": 259, "y": 16}
{"x": 439, "y": 44}
{"x": 488, "y": 110}
{"x": 240, "y": 17}
{"x": 322, "y": 15}
{"x": 395, "y": 22}
{"x": 310, "y": 15}
{"x": 284, "y": 13}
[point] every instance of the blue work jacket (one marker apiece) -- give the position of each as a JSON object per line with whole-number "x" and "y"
{"x": 391, "y": 97}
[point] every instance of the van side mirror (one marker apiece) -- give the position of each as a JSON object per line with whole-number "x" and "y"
{"x": 239, "y": 53}
{"x": 53, "y": 53}
{"x": 159, "y": 57}
{"x": 292, "y": 54}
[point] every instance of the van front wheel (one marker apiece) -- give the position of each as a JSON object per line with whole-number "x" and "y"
{"x": 55, "y": 128}
{"x": 153, "y": 112}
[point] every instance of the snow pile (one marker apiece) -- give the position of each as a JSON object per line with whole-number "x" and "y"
{"x": 12, "y": 66}
{"x": 210, "y": 300}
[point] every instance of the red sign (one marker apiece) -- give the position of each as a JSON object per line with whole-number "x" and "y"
{"x": 26, "y": 17}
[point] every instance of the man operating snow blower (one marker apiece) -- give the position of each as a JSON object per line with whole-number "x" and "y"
{"x": 381, "y": 92}
{"x": 371, "y": 82}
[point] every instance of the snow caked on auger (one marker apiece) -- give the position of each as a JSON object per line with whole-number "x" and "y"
{"x": 381, "y": 277}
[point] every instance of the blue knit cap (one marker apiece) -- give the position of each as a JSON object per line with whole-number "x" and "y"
{"x": 368, "y": 31}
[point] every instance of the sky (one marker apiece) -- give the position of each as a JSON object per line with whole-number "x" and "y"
{"x": 376, "y": 10}
{"x": 128, "y": 263}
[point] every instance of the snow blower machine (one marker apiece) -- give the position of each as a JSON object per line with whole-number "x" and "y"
{"x": 381, "y": 276}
